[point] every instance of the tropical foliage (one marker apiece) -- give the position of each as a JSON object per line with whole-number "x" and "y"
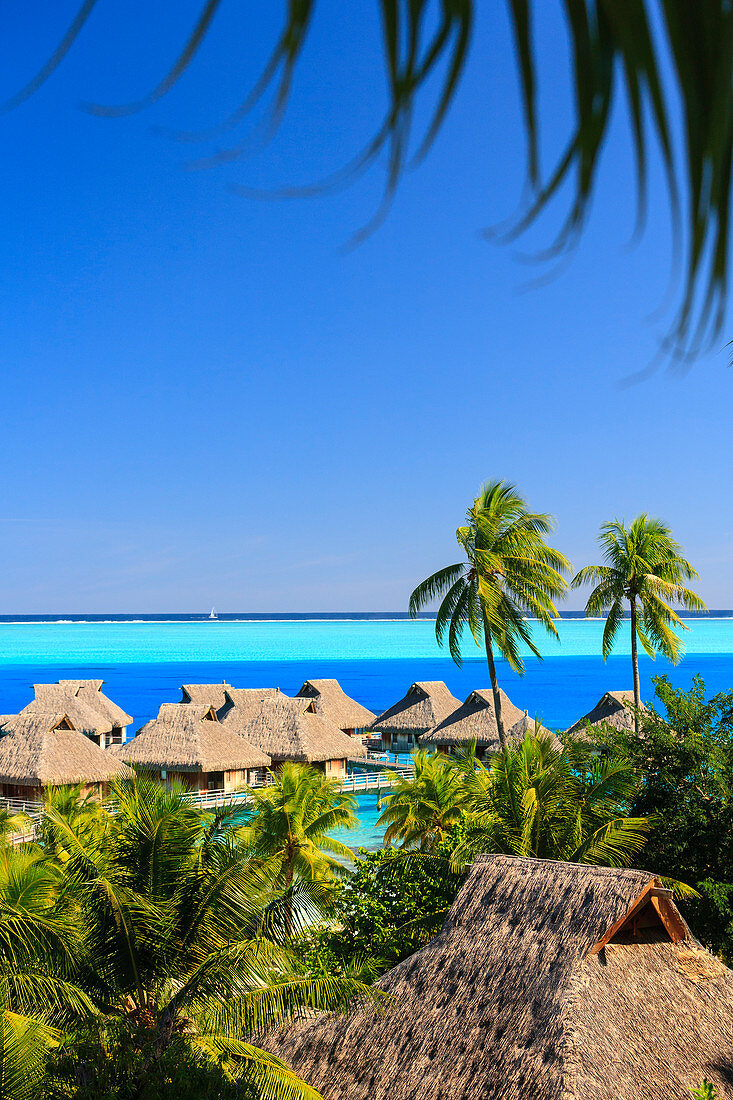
{"x": 536, "y": 800}
{"x": 389, "y": 906}
{"x": 683, "y": 756}
{"x": 650, "y": 61}
{"x": 291, "y": 821}
{"x": 545, "y": 802}
{"x": 155, "y": 941}
{"x": 644, "y": 568}
{"x": 423, "y": 809}
{"x": 509, "y": 573}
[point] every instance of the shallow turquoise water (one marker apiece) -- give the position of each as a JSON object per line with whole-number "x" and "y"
{"x": 367, "y": 835}
{"x": 145, "y": 642}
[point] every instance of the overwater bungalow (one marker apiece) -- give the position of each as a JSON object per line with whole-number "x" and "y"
{"x": 549, "y": 981}
{"x": 93, "y": 713}
{"x": 614, "y": 709}
{"x": 425, "y": 706}
{"x": 40, "y": 750}
{"x": 187, "y": 742}
{"x": 331, "y": 702}
{"x": 289, "y": 729}
{"x": 474, "y": 720}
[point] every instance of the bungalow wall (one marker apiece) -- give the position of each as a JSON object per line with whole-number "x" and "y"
{"x": 400, "y": 740}
{"x": 334, "y": 769}
{"x": 228, "y": 781}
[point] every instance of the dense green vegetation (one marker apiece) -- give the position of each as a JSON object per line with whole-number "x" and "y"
{"x": 141, "y": 948}
{"x": 683, "y": 759}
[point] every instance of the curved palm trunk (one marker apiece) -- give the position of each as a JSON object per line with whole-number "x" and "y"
{"x": 635, "y": 664}
{"x": 495, "y": 690}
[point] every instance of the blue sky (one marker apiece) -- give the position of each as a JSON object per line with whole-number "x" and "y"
{"x": 206, "y": 400}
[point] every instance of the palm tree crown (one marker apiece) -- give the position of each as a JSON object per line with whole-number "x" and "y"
{"x": 644, "y": 567}
{"x": 422, "y": 808}
{"x": 292, "y": 821}
{"x": 509, "y": 572}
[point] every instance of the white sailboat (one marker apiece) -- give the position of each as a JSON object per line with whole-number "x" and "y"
{"x": 213, "y": 614}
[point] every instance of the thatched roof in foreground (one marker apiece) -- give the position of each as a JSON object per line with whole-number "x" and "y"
{"x": 38, "y": 749}
{"x": 474, "y": 720}
{"x": 426, "y": 704}
{"x": 188, "y": 737}
{"x": 289, "y": 729}
{"x": 332, "y": 702}
{"x": 214, "y": 695}
{"x": 508, "y": 1003}
{"x": 91, "y": 711}
{"x": 615, "y": 709}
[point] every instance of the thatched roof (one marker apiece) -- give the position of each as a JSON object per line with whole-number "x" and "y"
{"x": 188, "y": 737}
{"x": 332, "y": 702}
{"x": 615, "y": 709}
{"x": 90, "y": 710}
{"x": 510, "y": 1003}
{"x": 246, "y": 702}
{"x": 45, "y": 749}
{"x": 424, "y": 706}
{"x": 289, "y": 729}
{"x": 474, "y": 720}
{"x": 527, "y": 724}
{"x": 212, "y": 694}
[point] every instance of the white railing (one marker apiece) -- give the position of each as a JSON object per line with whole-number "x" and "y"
{"x": 203, "y": 800}
{"x": 22, "y": 806}
{"x": 374, "y": 781}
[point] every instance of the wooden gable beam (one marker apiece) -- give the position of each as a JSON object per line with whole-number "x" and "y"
{"x": 668, "y": 917}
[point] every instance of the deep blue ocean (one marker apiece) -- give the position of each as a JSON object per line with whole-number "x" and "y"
{"x": 145, "y": 659}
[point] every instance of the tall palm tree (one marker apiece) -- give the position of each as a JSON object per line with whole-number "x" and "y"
{"x": 185, "y": 936}
{"x": 544, "y": 802}
{"x": 292, "y": 821}
{"x": 422, "y": 808}
{"x": 509, "y": 572}
{"x": 643, "y": 567}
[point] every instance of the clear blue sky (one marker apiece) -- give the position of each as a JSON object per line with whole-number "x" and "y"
{"x": 205, "y": 400}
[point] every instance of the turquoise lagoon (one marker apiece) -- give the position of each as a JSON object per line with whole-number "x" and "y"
{"x": 144, "y": 663}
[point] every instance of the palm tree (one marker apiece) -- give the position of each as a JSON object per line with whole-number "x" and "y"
{"x": 544, "y": 802}
{"x": 509, "y": 572}
{"x": 422, "y": 809}
{"x": 186, "y": 942}
{"x": 644, "y": 567}
{"x": 292, "y": 820}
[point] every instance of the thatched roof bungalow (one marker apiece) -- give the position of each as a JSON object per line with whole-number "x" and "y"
{"x": 290, "y": 729}
{"x": 331, "y": 702}
{"x": 425, "y": 705}
{"x": 93, "y": 713}
{"x": 187, "y": 742}
{"x": 615, "y": 709}
{"x": 548, "y": 981}
{"x": 475, "y": 720}
{"x": 39, "y": 750}
{"x": 214, "y": 695}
